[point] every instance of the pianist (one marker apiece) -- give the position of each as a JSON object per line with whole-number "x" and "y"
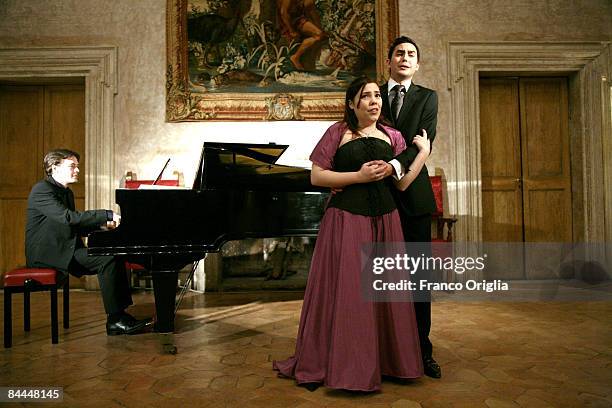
{"x": 53, "y": 239}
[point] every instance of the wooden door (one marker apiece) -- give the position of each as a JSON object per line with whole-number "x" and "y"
{"x": 525, "y": 161}
{"x": 546, "y": 160}
{"x": 64, "y": 127}
{"x": 21, "y": 128}
{"x": 33, "y": 119}
{"x": 501, "y": 160}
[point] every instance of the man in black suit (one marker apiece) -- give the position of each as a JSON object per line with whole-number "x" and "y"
{"x": 413, "y": 110}
{"x": 53, "y": 239}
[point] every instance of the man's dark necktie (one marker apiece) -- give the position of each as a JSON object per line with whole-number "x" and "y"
{"x": 396, "y": 103}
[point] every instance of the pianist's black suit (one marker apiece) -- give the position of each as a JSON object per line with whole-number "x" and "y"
{"x": 53, "y": 239}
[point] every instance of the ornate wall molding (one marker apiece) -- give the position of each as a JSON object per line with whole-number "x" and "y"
{"x": 98, "y": 66}
{"x": 588, "y": 66}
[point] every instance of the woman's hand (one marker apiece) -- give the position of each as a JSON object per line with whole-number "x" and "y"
{"x": 424, "y": 146}
{"x": 372, "y": 171}
{"x": 422, "y": 142}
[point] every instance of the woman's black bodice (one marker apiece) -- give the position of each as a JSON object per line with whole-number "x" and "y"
{"x": 370, "y": 199}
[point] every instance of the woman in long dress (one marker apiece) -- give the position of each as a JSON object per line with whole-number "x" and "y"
{"x": 345, "y": 341}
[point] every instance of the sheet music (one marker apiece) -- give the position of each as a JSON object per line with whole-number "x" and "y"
{"x": 296, "y": 156}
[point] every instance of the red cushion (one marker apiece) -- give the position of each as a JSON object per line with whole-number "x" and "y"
{"x": 137, "y": 183}
{"x": 44, "y": 276}
{"x": 134, "y": 266}
{"x": 436, "y": 185}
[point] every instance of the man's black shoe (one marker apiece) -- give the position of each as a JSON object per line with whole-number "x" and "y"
{"x": 432, "y": 369}
{"x": 127, "y": 324}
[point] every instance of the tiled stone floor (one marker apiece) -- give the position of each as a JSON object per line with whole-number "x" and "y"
{"x": 496, "y": 355}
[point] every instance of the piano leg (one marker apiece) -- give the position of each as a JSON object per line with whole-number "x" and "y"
{"x": 164, "y": 289}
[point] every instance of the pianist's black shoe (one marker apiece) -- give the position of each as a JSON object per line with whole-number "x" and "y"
{"x": 126, "y": 324}
{"x": 431, "y": 367}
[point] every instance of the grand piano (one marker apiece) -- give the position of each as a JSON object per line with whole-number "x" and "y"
{"x": 239, "y": 192}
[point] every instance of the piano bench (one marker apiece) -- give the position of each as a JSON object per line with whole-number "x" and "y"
{"x": 137, "y": 273}
{"x": 26, "y": 280}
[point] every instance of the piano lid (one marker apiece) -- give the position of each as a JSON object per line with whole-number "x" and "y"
{"x": 248, "y": 166}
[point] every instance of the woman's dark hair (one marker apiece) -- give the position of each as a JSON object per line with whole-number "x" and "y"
{"x": 55, "y": 157}
{"x": 401, "y": 40}
{"x": 355, "y": 88}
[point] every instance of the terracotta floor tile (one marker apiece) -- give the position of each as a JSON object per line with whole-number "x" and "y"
{"x": 500, "y": 403}
{"x": 233, "y": 359}
{"x": 224, "y": 382}
{"x": 526, "y": 401}
{"x": 139, "y": 382}
{"x": 492, "y": 389}
{"x": 595, "y": 401}
{"x": 404, "y": 403}
{"x": 556, "y": 396}
{"x": 496, "y": 375}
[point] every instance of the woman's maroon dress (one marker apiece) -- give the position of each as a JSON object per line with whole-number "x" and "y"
{"x": 345, "y": 341}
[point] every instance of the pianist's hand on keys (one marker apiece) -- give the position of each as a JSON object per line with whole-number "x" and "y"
{"x": 114, "y": 223}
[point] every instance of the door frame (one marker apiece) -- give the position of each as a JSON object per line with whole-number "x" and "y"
{"x": 98, "y": 66}
{"x": 588, "y": 66}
